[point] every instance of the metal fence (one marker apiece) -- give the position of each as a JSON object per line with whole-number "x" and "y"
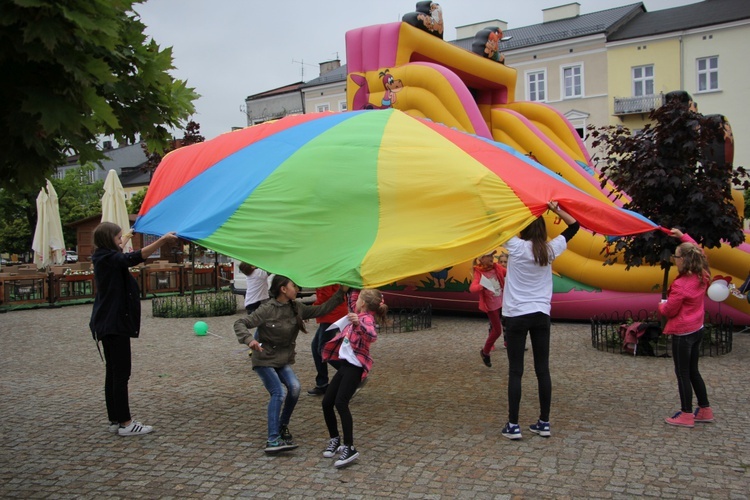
{"x": 608, "y": 334}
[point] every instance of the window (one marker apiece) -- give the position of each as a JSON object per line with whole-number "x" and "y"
{"x": 322, "y": 107}
{"x": 572, "y": 81}
{"x": 342, "y": 105}
{"x": 708, "y": 73}
{"x": 643, "y": 81}
{"x": 536, "y": 86}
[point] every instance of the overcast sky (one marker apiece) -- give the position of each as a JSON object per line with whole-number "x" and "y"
{"x": 230, "y": 49}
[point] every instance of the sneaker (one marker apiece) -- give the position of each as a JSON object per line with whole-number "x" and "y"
{"x": 485, "y": 358}
{"x": 348, "y": 455}
{"x": 541, "y": 428}
{"x": 334, "y": 446}
{"x": 681, "y": 419}
{"x": 285, "y": 434}
{"x": 704, "y": 414}
{"x": 317, "y": 391}
{"x": 113, "y": 427}
{"x": 278, "y": 445}
{"x": 134, "y": 429}
{"x": 512, "y": 431}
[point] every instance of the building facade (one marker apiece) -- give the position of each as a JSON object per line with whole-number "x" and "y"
{"x": 697, "y": 48}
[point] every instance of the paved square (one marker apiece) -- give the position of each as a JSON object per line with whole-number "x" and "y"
{"x": 427, "y": 425}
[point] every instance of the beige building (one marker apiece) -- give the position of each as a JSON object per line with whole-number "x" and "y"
{"x": 698, "y": 48}
{"x": 562, "y": 62}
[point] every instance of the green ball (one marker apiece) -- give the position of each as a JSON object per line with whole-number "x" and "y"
{"x": 200, "y": 328}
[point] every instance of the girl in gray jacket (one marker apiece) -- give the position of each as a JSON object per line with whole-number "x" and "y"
{"x": 279, "y": 321}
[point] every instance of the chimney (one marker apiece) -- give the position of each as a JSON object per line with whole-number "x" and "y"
{"x": 566, "y": 11}
{"x": 329, "y": 66}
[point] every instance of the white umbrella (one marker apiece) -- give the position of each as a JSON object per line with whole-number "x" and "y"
{"x": 114, "y": 207}
{"x": 48, "y": 245}
{"x": 57, "y": 240}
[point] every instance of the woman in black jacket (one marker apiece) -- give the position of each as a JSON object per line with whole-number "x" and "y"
{"x": 116, "y": 317}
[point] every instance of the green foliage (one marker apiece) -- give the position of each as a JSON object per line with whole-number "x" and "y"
{"x": 17, "y": 219}
{"x": 676, "y": 177}
{"x": 73, "y": 71}
{"x": 747, "y": 203}
{"x": 134, "y": 203}
{"x": 77, "y": 199}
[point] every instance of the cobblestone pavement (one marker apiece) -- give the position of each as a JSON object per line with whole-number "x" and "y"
{"x": 427, "y": 425}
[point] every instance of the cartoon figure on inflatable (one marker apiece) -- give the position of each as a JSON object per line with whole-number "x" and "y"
{"x": 471, "y": 92}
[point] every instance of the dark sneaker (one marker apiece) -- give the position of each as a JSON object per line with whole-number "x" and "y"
{"x": 348, "y": 455}
{"x": 512, "y": 431}
{"x": 279, "y": 445}
{"x": 541, "y": 428}
{"x": 285, "y": 434}
{"x": 485, "y": 358}
{"x": 334, "y": 446}
{"x": 134, "y": 429}
{"x": 317, "y": 391}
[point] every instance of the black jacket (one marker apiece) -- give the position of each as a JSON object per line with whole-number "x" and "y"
{"x": 117, "y": 304}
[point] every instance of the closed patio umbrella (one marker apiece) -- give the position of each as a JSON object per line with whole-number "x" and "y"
{"x": 48, "y": 244}
{"x": 114, "y": 207}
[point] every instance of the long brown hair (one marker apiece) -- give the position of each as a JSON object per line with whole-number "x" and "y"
{"x": 694, "y": 261}
{"x": 374, "y": 303}
{"x": 536, "y": 232}
{"x": 279, "y": 281}
{"x": 104, "y": 236}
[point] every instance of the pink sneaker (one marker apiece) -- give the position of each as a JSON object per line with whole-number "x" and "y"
{"x": 704, "y": 414}
{"x": 681, "y": 419}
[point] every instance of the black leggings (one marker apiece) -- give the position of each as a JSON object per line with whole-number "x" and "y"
{"x": 685, "y": 353}
{"x": 117, "y": 356}
{"x": 339, "y": 393}
{"x": 537, "y": 325}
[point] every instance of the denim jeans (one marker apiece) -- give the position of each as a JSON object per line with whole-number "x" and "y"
{"x": 685, "y": 353}
{"x": 319, "y": 340}
{"x": 538, "y": 327}
{"x": 282, "y": 403}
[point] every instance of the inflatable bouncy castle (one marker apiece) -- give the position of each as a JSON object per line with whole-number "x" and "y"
{"x": 407, "y": 66}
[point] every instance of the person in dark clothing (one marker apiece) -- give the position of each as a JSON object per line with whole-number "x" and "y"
{"x": 116, "y": 318}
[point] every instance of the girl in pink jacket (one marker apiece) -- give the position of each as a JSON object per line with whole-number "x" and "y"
{"x": 684, "y": 311}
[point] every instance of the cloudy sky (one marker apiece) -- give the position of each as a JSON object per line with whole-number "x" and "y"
{"x": 230, "y": 49}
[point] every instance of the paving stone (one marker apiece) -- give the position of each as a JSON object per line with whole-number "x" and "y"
{"x": 427, "y": 425}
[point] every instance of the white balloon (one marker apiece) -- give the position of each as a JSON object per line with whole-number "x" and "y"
{"x": 718, "y": 291}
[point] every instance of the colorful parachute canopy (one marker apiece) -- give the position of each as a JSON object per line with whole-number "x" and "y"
{"x": 363, "y": 198}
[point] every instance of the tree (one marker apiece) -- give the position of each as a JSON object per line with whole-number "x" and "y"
{"x": 77, "y": 199}
{"x": 73, "y": 71}
{"x": 135, "y": 202}
{"x": 676, "y": 174}
{"x": 192, "y": 136}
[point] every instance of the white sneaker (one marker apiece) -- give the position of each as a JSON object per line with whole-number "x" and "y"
{"x": 113, "y": 427}
{"x": 134, "y": 429}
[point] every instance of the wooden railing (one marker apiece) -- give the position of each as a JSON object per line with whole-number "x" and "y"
{"x": 33, "y": 288}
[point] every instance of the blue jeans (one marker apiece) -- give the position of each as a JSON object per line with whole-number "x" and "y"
{"x": 685, "y": 353}
{"x": 275, "y": 380}
{"x": 319, "y": 340}
{"x": 538, "y": 327}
